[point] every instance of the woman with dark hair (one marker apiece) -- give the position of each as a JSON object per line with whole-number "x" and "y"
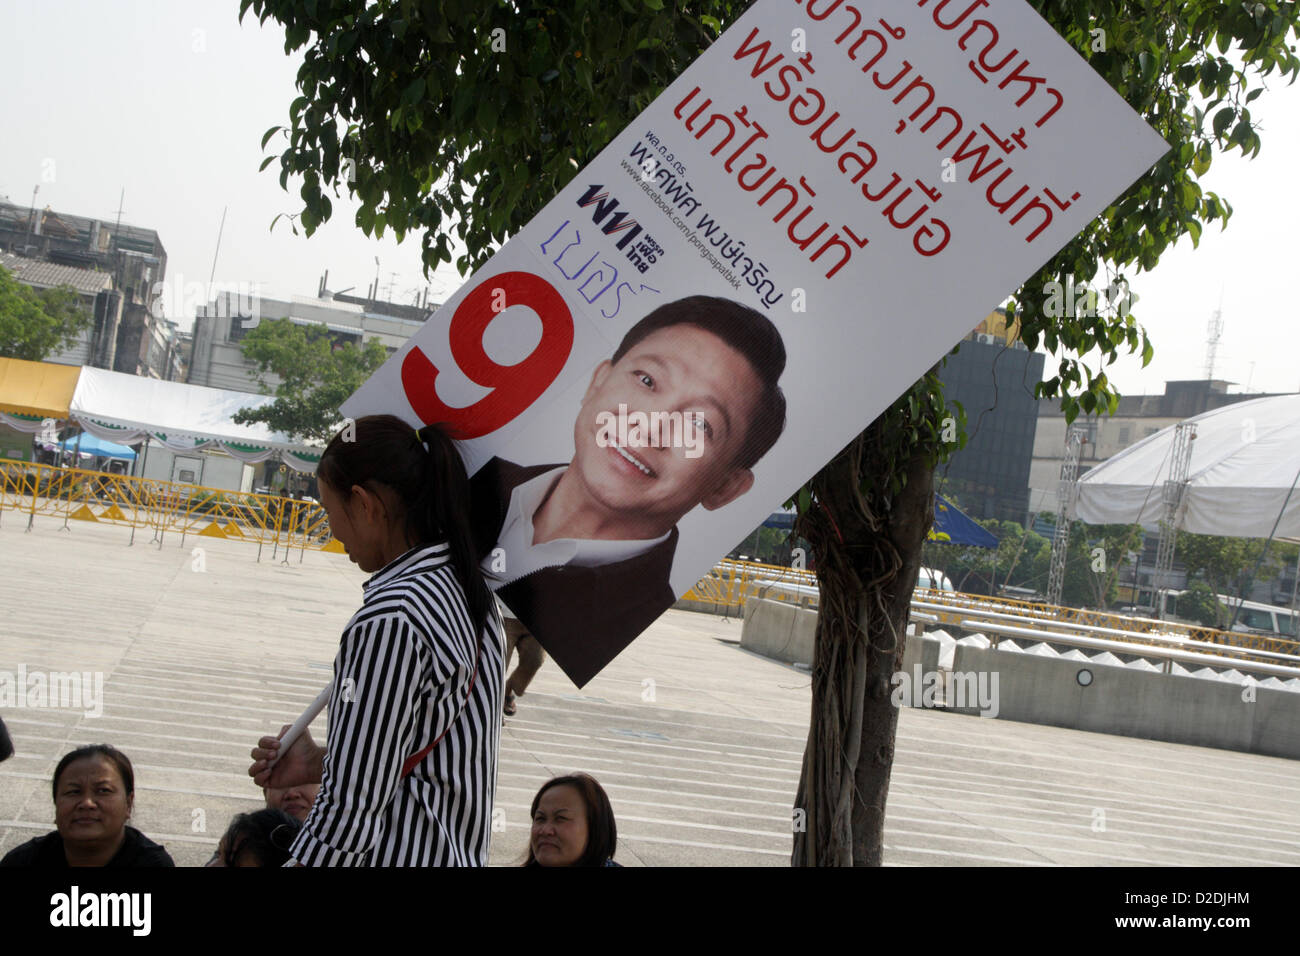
{"x": 94, "y": 793}
{"x": 573, "y": 824}
{"x": 261, "y": 838}
{"x": 421, "y": 660}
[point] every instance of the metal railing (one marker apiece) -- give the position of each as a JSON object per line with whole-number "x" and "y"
{"x": 163, "y": 507}
{"x": 1164, "y": 649}
{"x": 731, "y": 583}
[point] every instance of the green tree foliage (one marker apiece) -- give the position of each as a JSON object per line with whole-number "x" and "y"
{"x": 469, "y": 116}
{"x": 1199, "y": 604}
{"x": 316, "y": 375}
{"x": 1093, "y": 560}
{"x": 767, "y": 545}
{"x": 35, "y": 324}
{"x": 987, "y": 570}
{"x": 1220, "y": 562}
{"x": 1230, "y": 566}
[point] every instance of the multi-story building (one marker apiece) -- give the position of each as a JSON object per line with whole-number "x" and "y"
{"x": 218, "y": 361}
{"x": 97, "y": 345}
{"x": 126, "y": 336}
{"x": 993, "y": 376}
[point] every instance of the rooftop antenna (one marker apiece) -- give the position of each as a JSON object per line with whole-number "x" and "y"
{"x": 114, "y": 244}
{"x": 1214, "y": 332}
{"x": 32, "y": 225}
{"x": 220, "y": 229}
{"x": 118, "y": 225}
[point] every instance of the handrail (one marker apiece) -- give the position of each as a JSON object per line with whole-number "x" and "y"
{"x": 983, "y": 621}
{"x": 1144, "y": 650}
{"x": 730, "y": 583}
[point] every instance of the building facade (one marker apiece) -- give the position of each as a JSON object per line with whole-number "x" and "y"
{"x": 993, "y": 376}
{"x": 218, "y": 361}
{"x": 127, "y": 336}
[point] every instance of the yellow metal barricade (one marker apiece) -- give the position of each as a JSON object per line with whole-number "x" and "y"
{"x": 164, "y": 508}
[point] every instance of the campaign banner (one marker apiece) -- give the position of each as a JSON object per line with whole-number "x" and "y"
{"x": 799, "y": 226}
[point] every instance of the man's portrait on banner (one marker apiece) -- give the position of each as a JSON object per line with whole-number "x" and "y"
{"x": 675, "y": 419}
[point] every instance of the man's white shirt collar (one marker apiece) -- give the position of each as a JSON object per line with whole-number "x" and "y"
{"x": 515, "y": 548}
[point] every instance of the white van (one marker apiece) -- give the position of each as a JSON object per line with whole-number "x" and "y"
{"x": 936, "y": 580}
{"x": 1252, "y": 618}
{"x": 1256, "y": 618}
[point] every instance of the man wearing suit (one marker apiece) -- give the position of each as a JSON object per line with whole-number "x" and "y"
{"x": 582, "y": 553}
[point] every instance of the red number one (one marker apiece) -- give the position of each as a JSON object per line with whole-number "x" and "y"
{"x": 514, "y": 387}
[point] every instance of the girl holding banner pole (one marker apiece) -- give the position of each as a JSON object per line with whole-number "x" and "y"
{"x": 409, "y": 767}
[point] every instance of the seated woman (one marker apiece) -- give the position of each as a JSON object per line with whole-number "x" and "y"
{"x": 295, "y": 801}
{"x": 573, "y": 824}
{"x": 94, "y": 791}
{"x": 261, "y": 838}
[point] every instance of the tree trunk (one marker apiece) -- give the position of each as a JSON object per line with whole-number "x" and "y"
{"x": 868, "y": 550}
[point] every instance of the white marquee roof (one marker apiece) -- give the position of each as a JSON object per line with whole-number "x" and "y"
{"x": 1244, "y": 465}
{"x": 124, "y": 408}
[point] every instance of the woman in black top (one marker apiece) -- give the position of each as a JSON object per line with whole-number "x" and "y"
{"x": 94, "y": 790}
{"x": 573, "y": 824}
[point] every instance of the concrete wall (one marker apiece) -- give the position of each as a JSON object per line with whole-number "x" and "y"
{"x": 787, "y": 633}
{"x": 780, "y": 631}
{"x": 920, "y": 650}
{"x": 1045, "y": 690}
{"x": 707, "y": 607}
{"x": 1133, "y": 703}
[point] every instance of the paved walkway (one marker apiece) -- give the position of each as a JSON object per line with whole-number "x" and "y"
{"x": 697, "y": 741}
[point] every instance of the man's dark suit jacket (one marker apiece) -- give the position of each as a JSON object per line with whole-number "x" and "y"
{"x": 584, "y": 617}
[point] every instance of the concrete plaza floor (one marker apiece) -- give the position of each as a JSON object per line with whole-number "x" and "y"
{"x": 697, "y": 741}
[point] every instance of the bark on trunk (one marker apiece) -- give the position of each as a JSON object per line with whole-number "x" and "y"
{"x": 868, "y": 552}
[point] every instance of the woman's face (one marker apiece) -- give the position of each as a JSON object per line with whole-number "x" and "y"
{"x": 358, "y": 523}
{"x": 295, "y": 801}
{"x": 559, "y": 835}
{"x": 91, "y": 805}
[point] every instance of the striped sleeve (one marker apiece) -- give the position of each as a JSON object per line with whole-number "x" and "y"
{"x": 380, "y": 671}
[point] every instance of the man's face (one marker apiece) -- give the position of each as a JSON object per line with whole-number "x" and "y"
{"x": 681, "y": 375}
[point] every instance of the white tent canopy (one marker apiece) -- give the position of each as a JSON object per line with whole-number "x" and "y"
{"x": 1244, "y": 464}
{"x": 126, "y": 408}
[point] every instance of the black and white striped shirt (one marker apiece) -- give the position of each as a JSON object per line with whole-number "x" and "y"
{"x": 400, "y": 679}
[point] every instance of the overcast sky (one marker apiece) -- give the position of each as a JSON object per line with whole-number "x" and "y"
{"x": 169, "y": 100}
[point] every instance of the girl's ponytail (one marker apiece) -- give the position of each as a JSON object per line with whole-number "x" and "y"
{"x": 425, "y": 471}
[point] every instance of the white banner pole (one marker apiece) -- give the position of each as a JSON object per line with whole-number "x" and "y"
{"x": 304, "y": 721}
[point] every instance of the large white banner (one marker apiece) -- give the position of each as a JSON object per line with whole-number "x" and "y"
{"x": 807, "y": 219}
